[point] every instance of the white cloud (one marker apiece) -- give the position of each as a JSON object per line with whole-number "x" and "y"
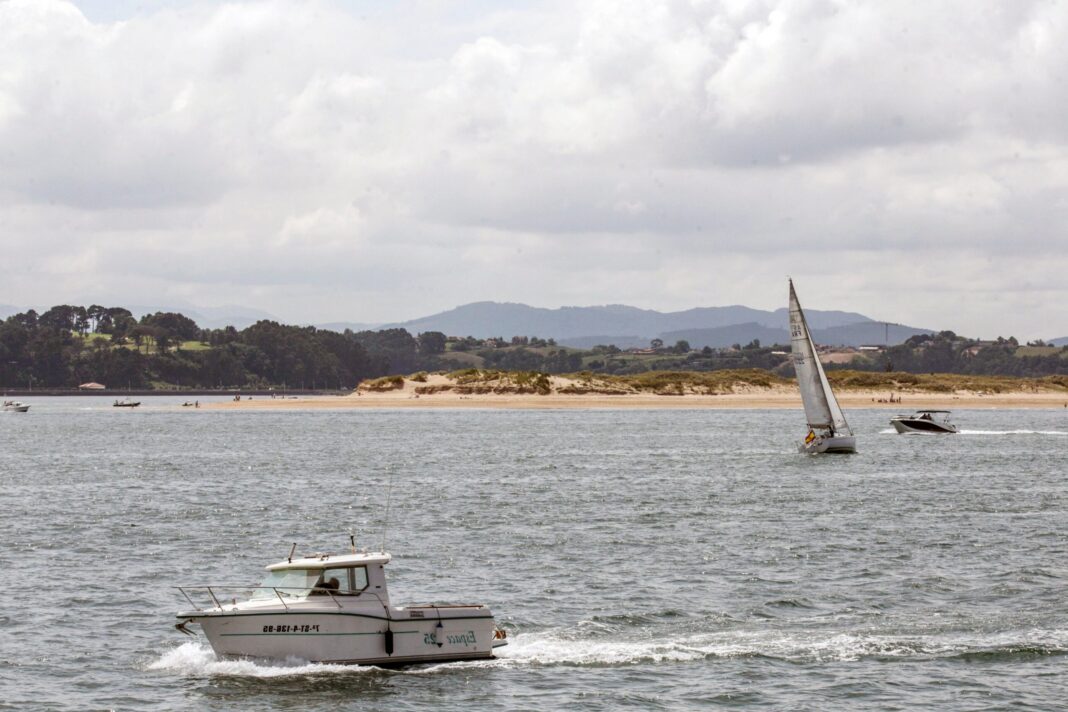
{"x": 329, "y": 164}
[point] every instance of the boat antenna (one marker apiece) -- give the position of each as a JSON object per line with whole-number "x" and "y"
{"x": 389, "y": 496}
{"x": 291, "y": 552}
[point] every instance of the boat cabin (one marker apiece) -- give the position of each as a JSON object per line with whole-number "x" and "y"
{"x": 928, "y": 414}
{"x": 326, "y": 575}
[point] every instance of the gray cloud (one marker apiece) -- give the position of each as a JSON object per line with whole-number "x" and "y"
{"x": 327, "y": 162}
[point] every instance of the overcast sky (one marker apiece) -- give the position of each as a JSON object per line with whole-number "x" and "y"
{"x": 372, "y": 161}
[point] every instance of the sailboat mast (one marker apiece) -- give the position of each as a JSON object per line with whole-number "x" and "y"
{"x": 821, "y": 407}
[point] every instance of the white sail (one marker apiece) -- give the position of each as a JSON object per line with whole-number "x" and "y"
{"x": 821, "y": 407}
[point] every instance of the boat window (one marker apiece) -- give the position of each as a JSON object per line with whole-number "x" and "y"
{"x": 290, "y": 583}
{"x": 348, "y": 580}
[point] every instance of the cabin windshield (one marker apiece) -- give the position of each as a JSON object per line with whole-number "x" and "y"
{"x": 290, "y": 583}
{"x": 346, "y": 581}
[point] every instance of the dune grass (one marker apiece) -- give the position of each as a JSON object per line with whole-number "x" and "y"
{"x": 475, "y": 380}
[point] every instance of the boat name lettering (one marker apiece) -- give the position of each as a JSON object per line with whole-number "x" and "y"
{"x": 415, "y": 614}
{"x": 463, "y": 639}
{"x": 290, "y": 629}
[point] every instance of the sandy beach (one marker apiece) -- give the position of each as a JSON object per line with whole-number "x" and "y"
{"x": 415, "y": 395}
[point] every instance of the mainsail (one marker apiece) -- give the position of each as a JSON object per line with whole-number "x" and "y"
{"x": 821, "y": 407}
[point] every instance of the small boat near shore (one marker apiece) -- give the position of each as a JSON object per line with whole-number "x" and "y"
{"x": 330, "y": 608}
{"x": 126, "y": 403}
{"x": 924, "y": 421}
{"x": 12, "y": 406}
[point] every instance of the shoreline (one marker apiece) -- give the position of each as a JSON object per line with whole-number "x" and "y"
{"x": 777, "y": 399}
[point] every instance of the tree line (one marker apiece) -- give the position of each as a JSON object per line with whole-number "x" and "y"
{"x": 70, "y": 345}
{"x": 946, "y": 352}
{"x": 66, "y": 346}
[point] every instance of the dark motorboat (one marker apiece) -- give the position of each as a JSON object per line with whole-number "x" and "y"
{"x": 924, "y": 421}
{"x": 126, "y": 403}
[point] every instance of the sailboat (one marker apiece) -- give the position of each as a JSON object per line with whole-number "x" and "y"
{"x": 828, "y": 430}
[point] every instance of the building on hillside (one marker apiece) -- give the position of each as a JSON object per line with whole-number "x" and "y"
{"x": 977, "y": 347}
{"x": 92, "y": 386}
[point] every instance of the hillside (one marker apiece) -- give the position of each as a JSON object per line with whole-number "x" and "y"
{"x": 625, "y": 326}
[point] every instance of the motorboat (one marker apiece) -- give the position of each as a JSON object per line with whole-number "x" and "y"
{"x": 126, "y": 403}
{"x": 828, "y": 431}
{"x": 924, "y": 421}
{"x": 12, "y": 406}
{"x": 336, "y": 609}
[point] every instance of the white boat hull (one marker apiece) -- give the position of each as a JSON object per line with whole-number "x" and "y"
{"x": 838, "y": 444}
{"x": 340, "y": 637}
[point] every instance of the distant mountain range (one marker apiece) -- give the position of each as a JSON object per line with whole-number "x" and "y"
{"x": 584, "y": 327}
{"x": 626, "y": 327}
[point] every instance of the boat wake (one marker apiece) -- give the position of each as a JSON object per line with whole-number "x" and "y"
{"x": 891, "y": 431}
{"x": 195, "y": 659}
{"x": 799, "y": 647}
{"x": 560, "y": 648}
{"x": 1013, "y": 432}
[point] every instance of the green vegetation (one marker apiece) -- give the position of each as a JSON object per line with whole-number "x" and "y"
{"x": 386, "y": 383}
{"x": 475, "y": 380}
{"x": 947, "y": 352}
{"x": 68, "y": 345}
{"x": 942, "y": 382}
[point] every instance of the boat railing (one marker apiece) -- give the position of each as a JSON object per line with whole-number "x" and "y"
{"x": 277, "y": 590}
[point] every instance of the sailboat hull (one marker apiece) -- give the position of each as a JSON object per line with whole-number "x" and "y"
{"x": 839, "y": 444}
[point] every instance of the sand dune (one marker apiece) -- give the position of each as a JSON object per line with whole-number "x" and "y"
{"x": 440, "y": 391}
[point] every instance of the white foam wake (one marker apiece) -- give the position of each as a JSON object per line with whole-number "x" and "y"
{"x": 195, "y": 659}
{"x": 891, "y": 431}
{"x": 795, "y": 646}
{"x": 1013, "y": 432}
{"x": 560, "y": 648}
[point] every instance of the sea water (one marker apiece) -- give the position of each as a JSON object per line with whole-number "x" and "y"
{"x": 639, "y": 559}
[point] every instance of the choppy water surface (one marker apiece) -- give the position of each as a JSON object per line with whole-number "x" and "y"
{"x": 639, "y": 559}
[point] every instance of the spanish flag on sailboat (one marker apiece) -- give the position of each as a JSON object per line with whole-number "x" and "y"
{"x": 810, "y": 437}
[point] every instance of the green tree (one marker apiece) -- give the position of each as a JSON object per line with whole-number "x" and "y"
{"x": 431, "y": 342}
